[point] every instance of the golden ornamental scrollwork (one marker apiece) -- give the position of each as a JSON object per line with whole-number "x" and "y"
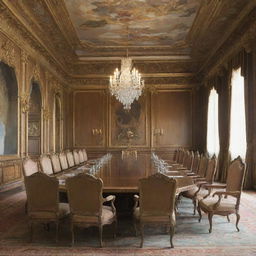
{"x": 24, "y": 102}
{"x": 36, "y": 72}
{"x": 7, "y": 53}
{"x": 46, "y": 114}
{"x": 24, "y": 57}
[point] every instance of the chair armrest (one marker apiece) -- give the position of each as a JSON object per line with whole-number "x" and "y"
{"x": 111, "y": 199}
{"x": 136, "y": 201}
{"x": 227, "y": 193}
{"x": 216, "y": 186}
{"x": 199, "y": 179}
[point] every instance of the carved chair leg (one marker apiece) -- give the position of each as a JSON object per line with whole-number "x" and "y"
{"x": 172, "y": 231}
{"x": 199, "y": 213}
{"x": 141, "y": 234}
{"x": 228, "y": 218}
{"x": 195, "y": 205}
{"x": 72, "y": 233}
{"x": 100, "y": 235}
{"x": 237, "y": 221}
{"x": 210, "y": 221}
{"x": 57, "y": 231}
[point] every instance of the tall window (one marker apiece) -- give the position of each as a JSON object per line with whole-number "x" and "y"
{"x": 213, "y": 145}
{"x": 237, "y": 120}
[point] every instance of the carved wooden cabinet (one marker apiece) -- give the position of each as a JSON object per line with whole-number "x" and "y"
{"x": 89, "y": 118}
{"x": 10, "y": 172}
{"x": 171, "y": 119}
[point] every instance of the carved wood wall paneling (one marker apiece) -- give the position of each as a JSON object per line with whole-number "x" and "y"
{"x": 171, "y": 112}
{"x": 89, "y": 118}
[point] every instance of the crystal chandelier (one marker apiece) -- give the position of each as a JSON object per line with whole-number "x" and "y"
{"x": 126, "y": 85}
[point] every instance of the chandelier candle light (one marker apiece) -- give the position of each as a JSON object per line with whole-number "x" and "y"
{"x": 126, "y": 85}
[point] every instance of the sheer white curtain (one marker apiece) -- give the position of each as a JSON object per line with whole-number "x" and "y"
{"x": 213, "y": 144}
{"x": 237, "y": 119}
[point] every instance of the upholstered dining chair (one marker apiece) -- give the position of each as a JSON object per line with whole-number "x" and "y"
{"x": 29, "y": 167}
{"x": 63, "y": 161}
{"x": 81, "y": 156}
{"x": 85, "y": 155}
{"x": 227, "y": 201}
{"x": 86, "y": 204}
{"x": 76, "y": 158}
{"x": 46, "y": 164}
{"x": 156, "y": 203}
{"x": 70, "y": 159}
{"x": 43, "y": 201}
{"x": 199, "y": 192}
{"x": 56, "y": 163}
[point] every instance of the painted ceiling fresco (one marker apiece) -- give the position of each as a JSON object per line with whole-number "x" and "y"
{"x": 133, "y": 22}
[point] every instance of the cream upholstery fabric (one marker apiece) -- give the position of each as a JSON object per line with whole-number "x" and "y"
{"x": 70, "y": 159}
{"x": 81, "y": 156}
{"x": 63, "y": 161}
{"x": 55, "y": 163}
{"x": 46, "y": 164}
{"x": 29, "y": 167}
{"x": 76, "y": 157}
{"x": 85, "y": 155}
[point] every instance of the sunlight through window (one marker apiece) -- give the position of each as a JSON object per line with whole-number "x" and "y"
{"x": 237, "y": 120}
{"x": 213, "y": 145}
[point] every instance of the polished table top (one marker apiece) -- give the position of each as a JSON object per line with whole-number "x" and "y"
{"x": 122, "y": 176}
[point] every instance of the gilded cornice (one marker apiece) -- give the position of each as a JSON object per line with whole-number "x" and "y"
{"x": 26, "y": 40}
{"x": 7, "y": 53}
{"x": 243, "y": 37}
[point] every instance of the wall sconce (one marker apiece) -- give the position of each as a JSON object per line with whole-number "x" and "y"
{"x": 96, "y": 131}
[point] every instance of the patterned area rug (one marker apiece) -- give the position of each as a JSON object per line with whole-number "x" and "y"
{"x": 191, "y": 238}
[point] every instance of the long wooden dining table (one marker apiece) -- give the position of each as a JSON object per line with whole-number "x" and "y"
{"x": 122, "y": 175}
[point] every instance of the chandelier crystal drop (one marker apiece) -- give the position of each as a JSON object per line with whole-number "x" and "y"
{"x": 126, "y": 85}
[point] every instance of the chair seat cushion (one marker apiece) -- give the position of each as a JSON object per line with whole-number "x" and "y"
{"x": 50, "y": 215}
{"x": 154, "y": 218}
{"x": 190, "y": 193}
{"x": 107, "y": 217}
{"x": 226, "y": 204}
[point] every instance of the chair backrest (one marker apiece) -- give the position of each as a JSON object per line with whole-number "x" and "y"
{"x": 157, "y": 195}
{"x": 70, "y": 158}
{"x": 76, "y": 157}
{"x": 85, "y": 195}
{"x": 203, "y": 166}
{"x": 195, "y": 165}
{"x": 185, "y": 157}
{"x": 176, "y": 155}
{"x": 81, "y": 156}
{"x": 55, "y": 163}
{"x": 29, "y": 167}
{"x": 42, "y": 193}
{"x": 85, "y": 155}
{"x": 189, "y": 160}
{"x": 235, "y": 175}
{"x": 181, "y": 156}
{"x": 211, "y": 169}
{"x": 63, "y": 161}
{"x": 46, "y": 164}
